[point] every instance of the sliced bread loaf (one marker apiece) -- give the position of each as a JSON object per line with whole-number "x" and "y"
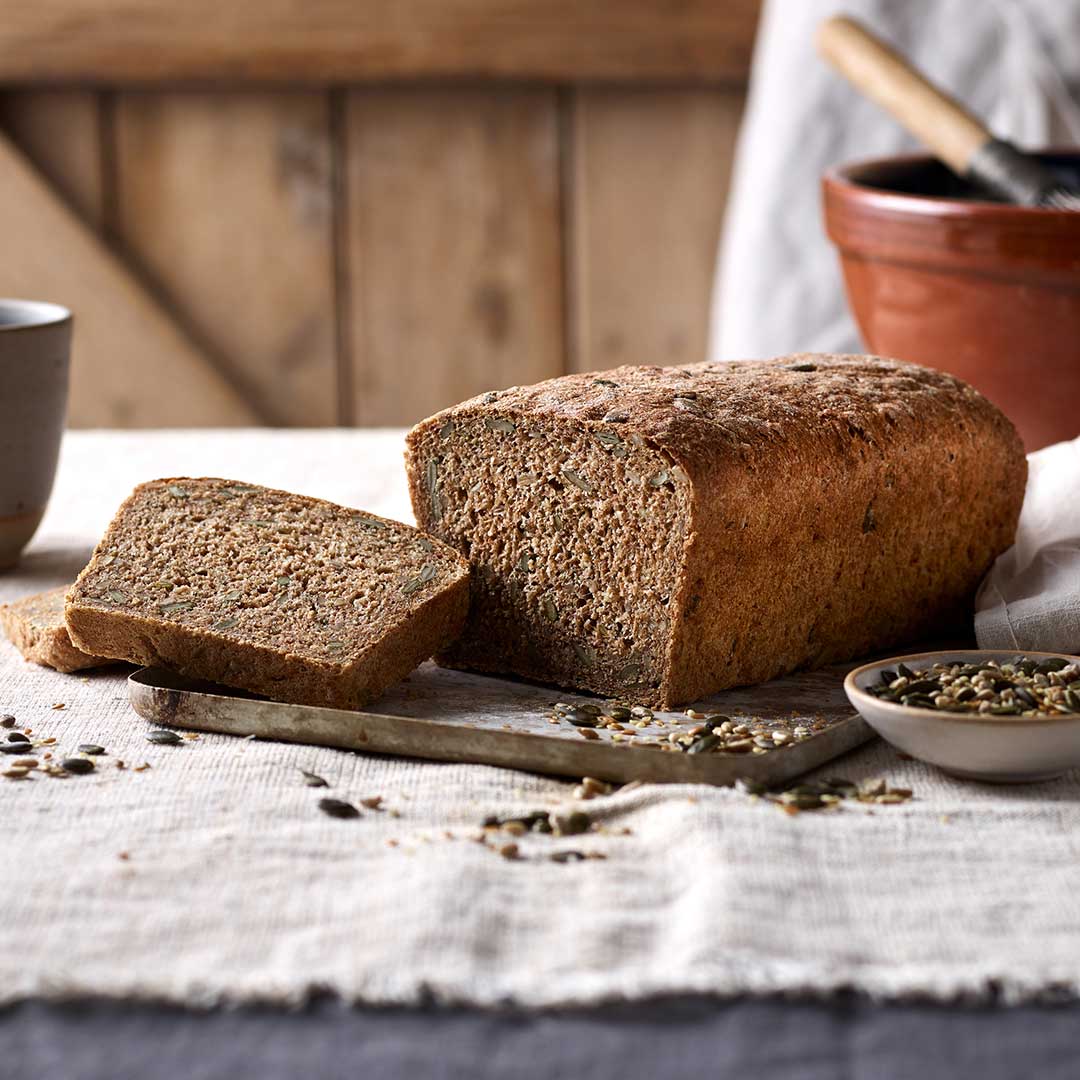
{"x": 35, "y": 626}
{"x": 663, "y": 533}
{"x": 290, "y": 597}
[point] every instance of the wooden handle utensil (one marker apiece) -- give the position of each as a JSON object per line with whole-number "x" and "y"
{"x": 939, "y": 121}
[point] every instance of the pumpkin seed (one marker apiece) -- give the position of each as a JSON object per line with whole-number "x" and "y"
{"x": 446, "y": 430}
{"x": 432, "y": 476}
{"x": 428, "y": 574}
{"x": 573, "y": 824}
{"x": 18, "y": 737}
{"x": 580, "y": 718}
{"x": 77, "y": 765}
{"x": 498, "y": 423}
{"x": 90, "y": 748}
{"x": 608, "y": 439}
{"x": 703, "y": 744}
{"x": 338, "y": 808}
{"x": 177, "y": 492}
{"x": 577, "y": 480}
{"x": 567, "y": 856}
{"x": 225, "y": 624}
{"x": 658, "y": 480}
{"x": 550, "y": 610}
{"x": 171, "y": 606}
{"x": 163, "y": 737}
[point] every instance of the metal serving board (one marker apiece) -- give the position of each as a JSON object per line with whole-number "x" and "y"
{"x": 457, "y": 716}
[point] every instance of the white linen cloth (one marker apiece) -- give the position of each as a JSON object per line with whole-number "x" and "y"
{"x": 778, "y": 287}
{"x": 213, "y": 877}
{"x": 1031, "y": 597}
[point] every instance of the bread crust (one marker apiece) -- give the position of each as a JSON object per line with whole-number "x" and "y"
{"x": 424, "y": 625}
{"x": 839, "y": 504}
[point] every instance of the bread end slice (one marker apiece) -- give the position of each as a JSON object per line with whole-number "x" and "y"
{"x": 35, "y": 626}
{"x": 290, "y": 597}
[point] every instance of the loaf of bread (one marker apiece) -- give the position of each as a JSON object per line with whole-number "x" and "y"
{"x": 659, "y": 534}
{"x": 35, "y": 626}
{"x": 289, "y": 597}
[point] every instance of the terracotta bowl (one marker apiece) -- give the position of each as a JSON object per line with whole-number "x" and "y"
{"x": 986, "y": 291}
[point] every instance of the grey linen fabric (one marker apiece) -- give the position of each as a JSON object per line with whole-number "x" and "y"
{"x": 212, "y": 877}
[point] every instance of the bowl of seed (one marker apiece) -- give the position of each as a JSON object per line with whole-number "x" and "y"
{"x": 976, "y": 714}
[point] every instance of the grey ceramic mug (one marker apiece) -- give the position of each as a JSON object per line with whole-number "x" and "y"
{"x": 35, "y": 357}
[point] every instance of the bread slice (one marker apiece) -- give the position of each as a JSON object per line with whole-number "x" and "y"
{"x": 293, "y": 598}
{"x": 663, "y": 533}
{"x": 35, "y": 626}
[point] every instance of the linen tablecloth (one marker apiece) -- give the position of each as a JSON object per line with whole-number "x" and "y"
{"x": 212, "y": 876}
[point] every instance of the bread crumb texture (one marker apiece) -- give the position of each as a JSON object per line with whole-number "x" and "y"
{"x": 283, "y": 595}
{"x": 663, "y": 533}
{"x": 35, "y": 626}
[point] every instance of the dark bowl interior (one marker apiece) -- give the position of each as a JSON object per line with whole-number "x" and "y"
{"x": 928, "y": 176}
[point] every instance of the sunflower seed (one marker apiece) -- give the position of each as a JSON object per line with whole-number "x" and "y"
{"x": 497, "y": 423}
{"x": 78, "y": 765}
{"x": 90, "y": 748}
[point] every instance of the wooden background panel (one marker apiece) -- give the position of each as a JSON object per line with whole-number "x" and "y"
{"x": 453, "y": 245}
{"x": 648, "y": 175}
{"x": 130, "y": 364}
{"x": 224, "y": 199}
{"x": 60, "y": 132}
{"x": 321, "y": 40}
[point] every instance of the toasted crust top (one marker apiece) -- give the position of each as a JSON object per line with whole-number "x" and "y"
{"x": 702, "y": 412}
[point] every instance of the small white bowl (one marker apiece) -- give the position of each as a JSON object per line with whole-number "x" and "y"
{"x": 1000, "y": 749}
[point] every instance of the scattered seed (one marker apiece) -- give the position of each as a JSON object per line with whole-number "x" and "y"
{"x": 7, "y": 720}
{"x": 90, "y": 748}
{"x": 18, "y": 737}
{"x": 312, "y": 779}
{"x": 162, "y": 737}
{"x": 509, "y": 851}
{"x": 16, "y": 772}
{"x": 338, "y": 808}
{"x": 77, "y": 765}
{"x": 372, "y": 803}
{"x": 572, "y": 824}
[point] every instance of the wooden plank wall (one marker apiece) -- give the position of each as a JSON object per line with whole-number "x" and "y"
{"x": 367, "y": 255}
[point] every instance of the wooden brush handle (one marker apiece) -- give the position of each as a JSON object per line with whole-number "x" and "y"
{"x": 884, "y": 76}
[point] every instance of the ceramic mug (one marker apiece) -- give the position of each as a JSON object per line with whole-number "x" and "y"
{"x": 35, "y": 356}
